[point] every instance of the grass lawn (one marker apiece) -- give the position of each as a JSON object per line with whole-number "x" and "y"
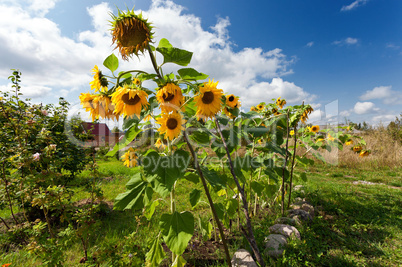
{"x": 356, "y": 224}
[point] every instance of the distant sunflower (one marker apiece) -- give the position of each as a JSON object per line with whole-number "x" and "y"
{"x": 171, "y": 125}
{"x": 319, "y": 139}
{"x": 330, "y": 138}
{"x": 232, "y": 101}
{"x": 130, "y": 158}
{"x": 129, "y": 101}
{"x": 260, "y": 107}
{"x": 349, "y": 142}
{"x": 280, "y": 102}
{"x": 159, "y": 143}
{"x": 253, "y": 108}
{"x": 357, "y": 148}
{"x": 100, "y": 82}
{"x": 364, "y": 153}
{"x": 131, "y": 33}
{"x": 209, "y": 100}
{"x": 315, "y": 128}
{"x": 275, "y": 112}
{"x": 170, "y": 97}
{"x": 292, "y": 132}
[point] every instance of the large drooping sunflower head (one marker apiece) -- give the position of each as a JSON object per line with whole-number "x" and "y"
{"x": 364, "y": 153}
{"x": 170, "y": 97}
{"x": 232, "y": 101}
{"x": 209, "y": 100}
{"x": 305, "y": 114}
{"x": 131, "y": 33}
{"x": 171, "y": 125}
{"x": 357, "y": 148}
{"x": 130, "y": 158}
{"x": 100, "y": 82}
{"x": 129, "y": 101}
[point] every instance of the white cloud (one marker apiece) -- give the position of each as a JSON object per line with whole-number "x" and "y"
{"x": 384, "y": 119}
{"x": 354, "y": 5}
{"x": 385, "y": 93}
{"x": 347, "y": 41}
{"x": 344, "y": 113}
{"x": 392, "y": 46}
{"x": 61, "y": 65}
{"x": 365, "y": 108}
{"x": 310, "y": 44}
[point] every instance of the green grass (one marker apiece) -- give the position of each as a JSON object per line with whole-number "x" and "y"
{"x": 358, "y": 225}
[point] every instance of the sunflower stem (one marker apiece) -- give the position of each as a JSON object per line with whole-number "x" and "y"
{"x": 154, "y": 64}
{"x": 248, "y": 234}
{"x": 285, "y": 163}
{"x": 211, "y": 203}
{"x": 293, "y": 163}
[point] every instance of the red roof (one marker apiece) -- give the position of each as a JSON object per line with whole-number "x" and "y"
{"x": 97, "y": 128}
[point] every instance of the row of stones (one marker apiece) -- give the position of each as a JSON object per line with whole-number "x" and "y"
{"x": 283, "y": 230}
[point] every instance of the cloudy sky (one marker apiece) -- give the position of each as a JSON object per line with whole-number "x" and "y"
{"x": 344, "y": 57}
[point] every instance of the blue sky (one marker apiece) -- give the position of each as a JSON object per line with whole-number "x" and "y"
{"x": 344, "y": 57}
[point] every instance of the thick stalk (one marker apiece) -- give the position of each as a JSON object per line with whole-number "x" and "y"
{"x": 211, "y": 203}
{"x": 293, "y": 165}
{"x": 248, "y": 234}
{"x": 284, "y": 165}
{"x": 5, "y": 223}
{"x": 10, "y": 204}
{"x": 154, "y": 64}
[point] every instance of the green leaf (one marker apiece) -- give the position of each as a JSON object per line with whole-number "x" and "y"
{"x": 192, "y": 177}
{"x": 155, "y": 255}
{"x": 206, "y": 228}
{"x": 257, "y": 187}
{"x": 216, "y": 181}
{"x": 130, "y": 135}
{"x": 200, "y": 137}
{"x": 175, "y": 55}
{"x": 179, "y": 262}
{"x": 149, "y": 212}
{"x": 177, "y": 230}
{"x": 195, "y": 196}
{"x": 111, "y": 62}
{"x": 191, "y": 74}
{"x": 133, "y": 198}
{"x": 164, "y": 43}
{"x": 303, "y": 176}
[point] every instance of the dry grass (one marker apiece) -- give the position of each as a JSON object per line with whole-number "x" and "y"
{"x": 385, "y": 152}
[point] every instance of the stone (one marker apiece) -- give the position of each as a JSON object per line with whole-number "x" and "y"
{"x": 284, "y": 229}
{"x": 243, "y": 258}
{"x": 309, "y": 208}
{"x": 302, "y": 215}
{"x": 275, "y": 245}
{"x": 287, "y": 220}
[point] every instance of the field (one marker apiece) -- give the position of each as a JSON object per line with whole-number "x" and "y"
{"x": 358, "y": 220}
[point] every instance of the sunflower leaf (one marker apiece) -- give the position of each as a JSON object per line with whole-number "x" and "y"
{"x": 111, "y": 62}
{"x": 191, "y": 74}
{"x": 175, "y": 55}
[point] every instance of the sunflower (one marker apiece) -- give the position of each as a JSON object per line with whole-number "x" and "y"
{"x": 159, "y": 143}
{"x": 129, "y": 101}
{"x": 319, "y": 139}
{"x": 364, "y": 153}
{"x": 129, "y": 158}
{"x": 227, "y": 112}
{"x": 280, "y": 102}
{"x": 98, "y": 106}
{"x": 209, "y": 100}
{"x": 131, "y": 33}
{"x": 305, "y": 114}
{"x": 99, "y": 82}
{"x": 357, "y": 148}
{"x": 253, "y": 108}
{"x": 330, "y": 138}
{"x": 171, "y": 125}
{"x": 314, "y": 128}
{"x": 275, "y": 111}
{"x": 349, "y": 142}
{"x": 260, "y": 107}
{"x": 170, "y": 97}
{"x": 292, "y": 132}
{"x": 232, "y": 101}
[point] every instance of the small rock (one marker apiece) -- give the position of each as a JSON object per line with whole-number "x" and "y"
{"x": 286, "y": 230}
{"x": 287, "y": 220}
{"x": 302, "y": 215}
{"x": 298, "y": 188}
{"x": 275, "y": 245}
{"x": 243, "y": 258}
{"x": 309, "y": 208}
